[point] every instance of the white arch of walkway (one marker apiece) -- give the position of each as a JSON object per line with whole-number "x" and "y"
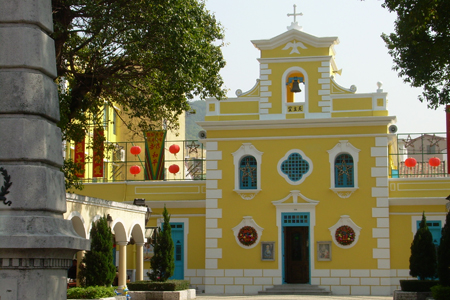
{"x": 128, "y": 223}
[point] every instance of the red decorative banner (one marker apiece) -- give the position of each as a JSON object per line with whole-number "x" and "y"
{"x": 154, "y": 154}
{"x": 97, "y": 164}
{"x": 80, "y": 157}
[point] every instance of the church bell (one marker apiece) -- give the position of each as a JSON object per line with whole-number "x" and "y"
{"x": 295, "y": 87}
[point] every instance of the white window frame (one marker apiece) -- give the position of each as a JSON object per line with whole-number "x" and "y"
{"x": 343, "y": 147}
{"x": 247, "y": 149}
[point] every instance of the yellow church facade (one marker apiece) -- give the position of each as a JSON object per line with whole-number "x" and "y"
{"x": 301, "y": 184}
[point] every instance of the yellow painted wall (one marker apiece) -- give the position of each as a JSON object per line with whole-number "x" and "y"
{"x": 352, "y": 104}
{"x": 315, "y": 187}
{"x": 401, "y": 233}
{"x": 196, "y": 237}
{"x": 244, "y": 107}
{"x": 429, "y": 187}
{"x": 232, "y": 118}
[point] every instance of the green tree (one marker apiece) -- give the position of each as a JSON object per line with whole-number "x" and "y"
{"x": 147, "y": 57}
{"x": 443, "y": 270}
{"x": 420, "y": 46}
{"x": 97, "y": 267}
{"x": 162, "y": 262}
{"x": 422, "y": 262}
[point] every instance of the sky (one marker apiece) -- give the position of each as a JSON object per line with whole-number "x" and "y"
{"x": 361, "y": 53}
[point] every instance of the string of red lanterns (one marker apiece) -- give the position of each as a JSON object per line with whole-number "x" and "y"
{"x": 411, "y": 162}
{"x": 174, "y": 149}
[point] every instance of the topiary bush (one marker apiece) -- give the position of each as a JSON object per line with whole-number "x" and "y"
{"x": 169, "y": 285}
{"x": 90, "y": 292}
{"x": 97, "y": 267}
{"x": 162, "y": 263}
{"x": 440, "y": 292}
{"x": 443, "y": 268}
{"x": 422, "y": 262}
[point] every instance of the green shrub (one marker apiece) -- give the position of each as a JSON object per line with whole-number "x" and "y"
{"x": 422, "y": 262}
{"x": 90, "y": 292}
{"x": 444, "y": 254}
{"x": 97, "y": 267}
{"x": 418, "y": 285}
{"x": 162, "y": 263}
{"x": 169, "y": 285}
{"x": 440, "y": 292}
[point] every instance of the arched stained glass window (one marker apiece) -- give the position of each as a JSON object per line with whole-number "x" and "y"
{"x": 247, "y": 173}
{"x": 344, "y": 172}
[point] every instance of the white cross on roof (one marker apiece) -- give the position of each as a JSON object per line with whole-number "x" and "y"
{"x": 295, "y": 14}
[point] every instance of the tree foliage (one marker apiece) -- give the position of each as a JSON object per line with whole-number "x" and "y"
{"x": 420, "y": 46}
{"x": 162, "y": 262}
{"x": 422, "y": 262}
{"x": 144, "y": 58}
{"x": 97, "y": 267}
{"x": 443, "y": 270}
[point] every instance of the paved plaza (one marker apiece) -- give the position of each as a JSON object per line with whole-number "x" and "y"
{"x": 286, "y": 297}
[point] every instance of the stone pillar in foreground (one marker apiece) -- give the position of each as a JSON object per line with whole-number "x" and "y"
{"x": 36, "y": 244}
{"x": 139, "y": 261}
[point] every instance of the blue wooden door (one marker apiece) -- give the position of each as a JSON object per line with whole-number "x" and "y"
{"x": 178, "y": 249}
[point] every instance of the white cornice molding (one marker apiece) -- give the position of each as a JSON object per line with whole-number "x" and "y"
{"x": 294, "y": 59}
{"x": 394, "y": 180}
{"x": 241, "y": 99}
{"x": 302, "y": 137}
{"x": 295, "y": 35}
{"x": 166, "y": 183}
{"x": 297, "y": 123}
{"x": 177, "y": 204}
{"x": 357, "y": 95}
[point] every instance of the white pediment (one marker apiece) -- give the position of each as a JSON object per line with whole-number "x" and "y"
{"x": 296, "y": 196}
{"x": 296, "y": 35}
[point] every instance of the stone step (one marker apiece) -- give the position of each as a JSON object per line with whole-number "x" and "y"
{"x": 295, "y": 289}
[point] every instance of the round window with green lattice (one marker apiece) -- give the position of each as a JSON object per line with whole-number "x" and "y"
{"x": 345, "y": 235}
{"x": 247, "y": 235}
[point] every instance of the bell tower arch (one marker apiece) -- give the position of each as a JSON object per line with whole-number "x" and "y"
{"x": 288, "y": 81}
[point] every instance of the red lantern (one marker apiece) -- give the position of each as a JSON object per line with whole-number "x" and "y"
{"x": 174, "y": 149}
{"x": 174, "y": 169}
{"x": 410, "y": 162}
{"x": 434, "y": 161}
{"x": 135, "y": 150}
{"x": 135, "y": 170}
